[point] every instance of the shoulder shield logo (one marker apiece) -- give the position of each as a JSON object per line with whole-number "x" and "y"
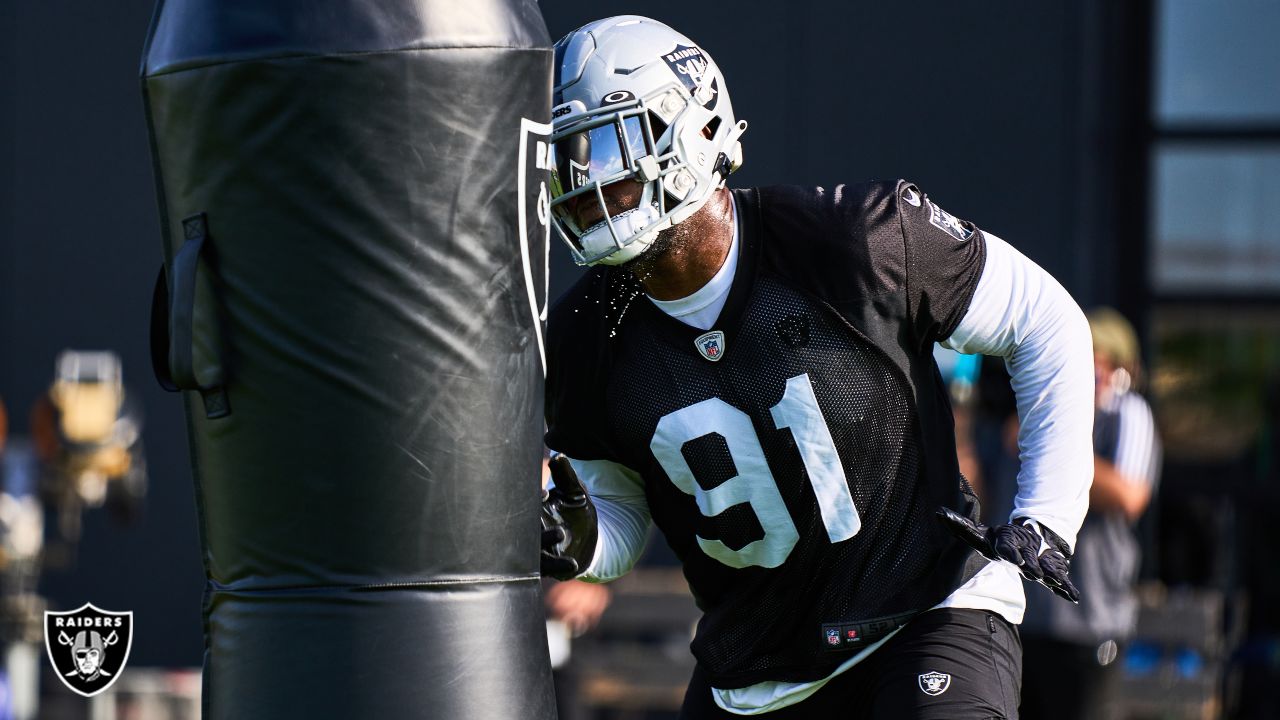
{"x": 949, "y": 224}
{"x": 88, "y": 647}
{"x": 934, "y": 683}
{"x": 710, "y": 345}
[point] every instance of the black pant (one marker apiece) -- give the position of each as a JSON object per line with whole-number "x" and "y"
{"x": 1064, "y": 681}
{"x": 947, "y": 664}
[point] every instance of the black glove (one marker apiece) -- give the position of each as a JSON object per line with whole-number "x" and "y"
{"x": 568, "y": 524}
{"x": 1019, "y": 544}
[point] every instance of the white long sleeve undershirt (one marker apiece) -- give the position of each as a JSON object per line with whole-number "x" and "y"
{"x": 622, "y": 514}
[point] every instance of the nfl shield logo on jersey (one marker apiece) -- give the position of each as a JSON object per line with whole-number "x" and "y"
{"x": 934, "y": 683}
{"x": 833, "y": 636}
{"x": 88, "y": 647}
{"x": 711, "y": 345}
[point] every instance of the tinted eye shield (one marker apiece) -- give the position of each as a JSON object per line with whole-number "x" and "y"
{"x": 612, "y": 144}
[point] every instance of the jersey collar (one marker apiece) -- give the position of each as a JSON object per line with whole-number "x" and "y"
{"x": 747, "y": 207}
{"x": 710, "y": 297}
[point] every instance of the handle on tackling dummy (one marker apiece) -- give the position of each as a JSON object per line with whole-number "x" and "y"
{"x": 173, "y": 313}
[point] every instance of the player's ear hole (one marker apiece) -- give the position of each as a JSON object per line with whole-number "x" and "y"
{"x": 656, "y": 125}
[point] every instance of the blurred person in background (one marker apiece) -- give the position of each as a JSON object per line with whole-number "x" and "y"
{"x": 87, "y": 435}
{"x": 573, "y": 609}
{"x": 21, "y": 554}
{"x": 1070, "y": 650}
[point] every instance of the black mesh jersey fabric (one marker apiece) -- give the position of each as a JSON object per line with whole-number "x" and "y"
{"x": 823, "y": 332}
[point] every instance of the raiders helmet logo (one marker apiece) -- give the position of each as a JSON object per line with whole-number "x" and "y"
{"x": 934, "y": 683}
{"x": 690, "y": 65}
{"x": 88, "y": 647}
{"x": 710, "y": 345}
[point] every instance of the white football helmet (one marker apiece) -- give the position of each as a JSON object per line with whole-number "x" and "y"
{"x": 643, "y": 133}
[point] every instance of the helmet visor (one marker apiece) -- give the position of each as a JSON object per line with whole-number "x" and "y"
{"x": 596, "y": 156}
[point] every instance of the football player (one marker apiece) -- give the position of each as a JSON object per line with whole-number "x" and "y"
{"x": 752, "y": 371}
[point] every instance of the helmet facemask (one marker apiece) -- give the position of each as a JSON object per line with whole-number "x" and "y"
{"x": 612, "y": 149}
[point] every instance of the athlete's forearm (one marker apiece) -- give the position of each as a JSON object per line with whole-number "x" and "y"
{"x": 623, "y": 516}
{"x": 623, "y": 530}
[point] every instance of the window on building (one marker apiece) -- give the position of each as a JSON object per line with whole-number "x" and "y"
{"x": 1214, "y": 250}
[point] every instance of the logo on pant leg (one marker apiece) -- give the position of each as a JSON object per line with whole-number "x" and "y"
{"x": 934, "y": 683}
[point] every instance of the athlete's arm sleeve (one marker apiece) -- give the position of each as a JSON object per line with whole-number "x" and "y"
{"x": 622, "y": 512}
{"x": 1023, "y": 314}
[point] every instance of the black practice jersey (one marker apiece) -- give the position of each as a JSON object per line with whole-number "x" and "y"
{"x": 795, "y": 454}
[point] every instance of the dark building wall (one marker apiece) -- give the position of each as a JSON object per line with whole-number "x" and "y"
{"x": 8, "y": 171}
{"x": 78, "y": 257}
{"x": 978, "y": 102}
